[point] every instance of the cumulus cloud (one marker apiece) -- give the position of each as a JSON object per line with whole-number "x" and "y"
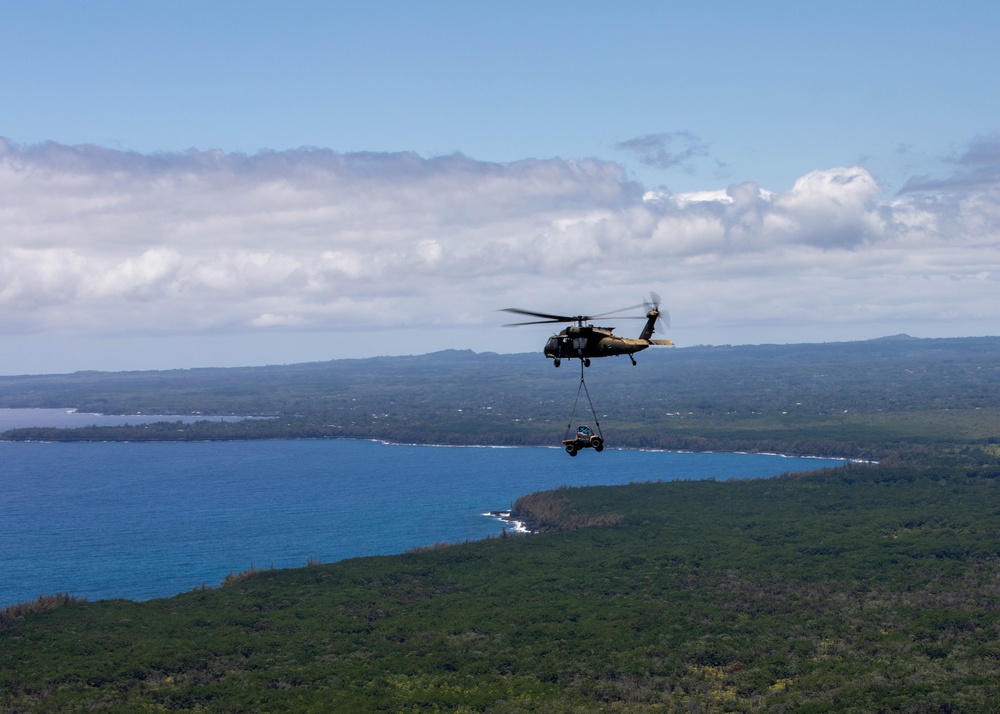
{"x": 107, "y": 242}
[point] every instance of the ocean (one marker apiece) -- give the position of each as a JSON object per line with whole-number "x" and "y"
{"x": 147, "y": 520}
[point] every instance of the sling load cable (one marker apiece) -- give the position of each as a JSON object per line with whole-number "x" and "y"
{"x": 583, "y": 387}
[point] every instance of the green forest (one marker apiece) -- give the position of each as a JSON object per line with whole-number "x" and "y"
{"x": 874, "y": 587}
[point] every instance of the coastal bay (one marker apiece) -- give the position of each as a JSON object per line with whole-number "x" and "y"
{"x": 146, "y": 520}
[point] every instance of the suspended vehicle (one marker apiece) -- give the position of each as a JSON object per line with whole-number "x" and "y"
{"x": 586, "y": 341}
{"x": 585, "y": 439}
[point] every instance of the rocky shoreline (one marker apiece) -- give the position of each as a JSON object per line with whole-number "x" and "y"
{"x": 520, "y": 523}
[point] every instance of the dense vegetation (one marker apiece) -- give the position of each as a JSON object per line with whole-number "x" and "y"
{"x": 863, "y": 399}
{"x": 868, "y": 588}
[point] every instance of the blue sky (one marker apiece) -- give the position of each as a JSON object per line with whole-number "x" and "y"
{"x": 602, "y": 149}
{"x": 770, "y": 90}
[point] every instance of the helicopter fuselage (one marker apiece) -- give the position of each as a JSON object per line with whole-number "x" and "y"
{"x": 586, "y": 342}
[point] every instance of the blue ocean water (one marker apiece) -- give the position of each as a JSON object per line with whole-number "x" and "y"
{"x": 147, "y": 520}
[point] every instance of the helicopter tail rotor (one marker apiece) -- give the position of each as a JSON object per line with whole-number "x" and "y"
{"x": 653, "y": 305}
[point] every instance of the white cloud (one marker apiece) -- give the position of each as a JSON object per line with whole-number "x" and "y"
{"x": 97, "y": 241}
{"x": 836, "y": 208}
{"x": 149, "y": 276}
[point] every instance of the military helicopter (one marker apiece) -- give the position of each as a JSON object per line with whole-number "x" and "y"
{"x": 586, "y": 341}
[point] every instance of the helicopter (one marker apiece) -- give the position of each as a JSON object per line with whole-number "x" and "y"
{"x": 587, "y": 341}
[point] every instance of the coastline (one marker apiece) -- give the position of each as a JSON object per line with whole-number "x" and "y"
{"x": 522, "y": 527}
{"x": 65, "y": 424}
{"x": 304, "y": 498}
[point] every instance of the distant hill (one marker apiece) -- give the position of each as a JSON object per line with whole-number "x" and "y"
{"x": 756, "y": 396}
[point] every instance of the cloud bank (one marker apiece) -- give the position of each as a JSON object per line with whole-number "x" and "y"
{"x": 103, "y": 242}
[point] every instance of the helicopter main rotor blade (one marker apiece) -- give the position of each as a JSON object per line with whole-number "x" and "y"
{"x": 621, "y": 309}
{"x": 532, "y": 313}
{"x": 534, "y": 322}
{"x": 580, "y": 319}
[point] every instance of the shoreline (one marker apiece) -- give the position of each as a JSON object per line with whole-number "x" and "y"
{"x": 170, "y": 419}
{"x": 516, "y": 525}
{"x": 655, "y": 467}
{"x": 428, "y": 444}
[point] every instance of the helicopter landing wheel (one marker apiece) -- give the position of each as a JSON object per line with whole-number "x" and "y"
{"x": 556, "y": 362}
{"x": 586, "y": 362}
{"x": 633, "y": 360}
